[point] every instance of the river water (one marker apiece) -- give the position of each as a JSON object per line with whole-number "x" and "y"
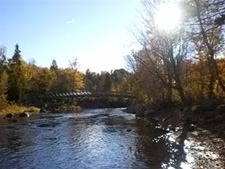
{"x": 92, "y": 139}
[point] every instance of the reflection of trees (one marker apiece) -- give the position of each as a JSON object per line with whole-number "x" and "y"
{"x": 153, "y": 146}
{"x": 151, "y": 152}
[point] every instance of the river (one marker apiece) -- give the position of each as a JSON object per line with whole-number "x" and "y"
{"x": 92, "y": 139}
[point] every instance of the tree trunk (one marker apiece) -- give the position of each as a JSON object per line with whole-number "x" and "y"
{"x": 176, "y": 74}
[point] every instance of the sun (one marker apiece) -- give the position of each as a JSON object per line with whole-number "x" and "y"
{"x": 168, "y": 16}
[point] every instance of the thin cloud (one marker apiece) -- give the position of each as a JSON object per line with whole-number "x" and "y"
{"x": 70, "y": 21}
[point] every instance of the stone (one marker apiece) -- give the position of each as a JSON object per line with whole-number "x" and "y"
{"x": 192, "y": 128}
{"x": 219, "y": 118}
{"x": 170, "y": 127}
{"x": 9, "y": 116}
{"x": 221, "y": 109}
{"x": 149, "y": 113}
{"x": 186, "y": 109}
{"x": 196, "y": 109}
{"x": 221, "y": 106}
{"x": 210, "y": 116}
{"x": 211, "y": 104}
{"x": 43, "y": 110}
{"x": 24, "y": 114}
{"x": 129, "y": 130}
{"x": 138, "y": 109}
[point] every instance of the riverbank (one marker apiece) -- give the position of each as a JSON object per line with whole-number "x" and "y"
{"x": 207, "y": 114}
{"x": 15, "y": 110}
{"x": 199, "y": 127}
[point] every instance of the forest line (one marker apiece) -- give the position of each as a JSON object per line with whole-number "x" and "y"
{"x": 181, "y": 65}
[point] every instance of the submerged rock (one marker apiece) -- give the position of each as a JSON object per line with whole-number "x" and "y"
{"x": 14, "y": 120}
{"x": 129, "y": 130}
{"x": 53, "y": 124}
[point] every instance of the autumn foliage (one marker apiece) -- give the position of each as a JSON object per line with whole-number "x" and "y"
{"x": 184, "y": 64}
{"x": 26, "y": 83}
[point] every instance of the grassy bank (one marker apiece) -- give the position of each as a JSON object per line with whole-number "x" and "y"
{"x": 17, "y": 109}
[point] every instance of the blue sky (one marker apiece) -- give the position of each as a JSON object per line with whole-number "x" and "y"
{"x": 99, "y": 33}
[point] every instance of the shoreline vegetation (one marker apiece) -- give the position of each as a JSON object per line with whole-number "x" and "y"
{"x": 12, "y": 110}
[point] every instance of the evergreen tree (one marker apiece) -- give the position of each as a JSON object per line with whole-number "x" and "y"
{"x": 54, "y": 65}
{"x": 2, "y": 54}
{"x": 107, "y": 83}
{"x": 16, "y": 57}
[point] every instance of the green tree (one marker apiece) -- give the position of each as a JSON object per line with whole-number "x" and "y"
{"x": 54, "y": 65}
{"x": 89, "y": 83}
{"x": 18, "y": 77}
{"x": 46, "y": 80}
{"x": 16, "y": 57}
{"x": 107, "y": 82}
{"x": 2, "y": 54}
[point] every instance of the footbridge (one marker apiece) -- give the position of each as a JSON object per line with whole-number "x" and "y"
{"x": 83, "y": 94}
{"x": 90, "y": 99}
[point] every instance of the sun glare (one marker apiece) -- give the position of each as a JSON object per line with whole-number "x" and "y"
{"x": 168, "y": 16}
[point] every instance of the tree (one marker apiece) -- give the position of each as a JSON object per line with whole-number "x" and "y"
{"x": 32, "y": 62}
{"x": 208, "y": 37}
{"x": 75, "y": 76}
{"x": 2, "y": 54}
{"x": 16, "y": 57}
{"x": 119, "y": 81}
{"x": 89, "y": 81}
{"x": 76, "y": 81}
{"x": 220, "y": 20}
{"x": 163, "y": 53}
{"x": 46, "y": 81}
{"x": 18, "y": 77}
{"x": 3, "y": 85}
{"x": 3, "y": 89}
{"x": 107, "y": 82}
{"x": 73, "y": 64}
{"x": 54, "y": 65}
{"x": 2, "y": 59}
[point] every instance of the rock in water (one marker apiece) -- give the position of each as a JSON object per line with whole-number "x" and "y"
{"x": 196, "y": 108}
{"x": 24, "y": 114}
{"x": 43, "y": 110}
{"x": 129, "y": 130}
{"x": 9, "y": 116}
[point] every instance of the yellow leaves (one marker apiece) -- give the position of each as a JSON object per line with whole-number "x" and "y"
{"x": 3, "y": 85}
{"x": 75, "y": 79}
